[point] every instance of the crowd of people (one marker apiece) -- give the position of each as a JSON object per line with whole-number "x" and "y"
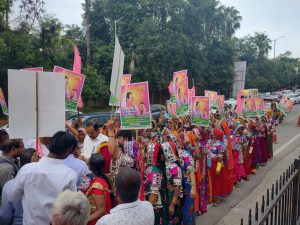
{"x": 101, "y": 174}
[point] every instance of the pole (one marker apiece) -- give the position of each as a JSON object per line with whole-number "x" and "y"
{"x": 37, "y": 109}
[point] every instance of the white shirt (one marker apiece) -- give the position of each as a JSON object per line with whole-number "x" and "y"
{"x": 38, "y": 185}
{"x": 135, "y": 213}
{"x": 90, "y": 146}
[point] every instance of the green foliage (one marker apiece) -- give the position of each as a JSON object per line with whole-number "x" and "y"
{"x": 161, "y": 36}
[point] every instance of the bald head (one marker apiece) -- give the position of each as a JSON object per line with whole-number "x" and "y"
{"x": 128, "y": 182}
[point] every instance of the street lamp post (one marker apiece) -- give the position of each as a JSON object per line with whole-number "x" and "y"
{"x": 275, "y": 44}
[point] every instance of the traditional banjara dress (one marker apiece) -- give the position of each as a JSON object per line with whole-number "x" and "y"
{"x": 174, "y": 178}
{"x": 239, "y": 142}
{"x": 216, "y": 153}
{"x": 187, "y": 166}
{"x": 155, "y": 181}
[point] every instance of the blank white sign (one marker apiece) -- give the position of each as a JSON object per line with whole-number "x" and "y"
{"x": 22, "y": 103}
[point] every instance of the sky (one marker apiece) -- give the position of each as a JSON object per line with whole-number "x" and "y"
{"x": 275, "y": 17}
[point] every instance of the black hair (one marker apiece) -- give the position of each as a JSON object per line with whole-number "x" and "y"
{"x": 197, "y": 103}
{"x": 26, "y": 156}
{"x": 125, "y": 134}
{"x": 128, "y": 94}
{"x": 2, "y": 134}
{"x": 97, "y": 164}
{"x": 8, "y": 145}
{"x": 128, "y": 182}
{"x": 62, "y": 142}
{"x": 93, "y": 124}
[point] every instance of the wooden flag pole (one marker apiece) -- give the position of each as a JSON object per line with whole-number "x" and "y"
{"x": 37, "y": 109}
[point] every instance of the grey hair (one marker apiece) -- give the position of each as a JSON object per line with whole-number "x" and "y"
{"x": 70, "y": 208}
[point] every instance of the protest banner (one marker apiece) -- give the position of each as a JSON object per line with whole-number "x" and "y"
{"x": 287, "y": 103}
{"x": 126, "y": 79}
{"x": 249, "y": 108}
{"x": 260, "y": 106}
{"x": 135, "y": 106}
{"x": 116, "y": 74}
{"x": 36, "y": 103}
{"x": 178, "y": 77}
{"x": 182, "y": 98}
{"x": 282, "y": 108}
{"x": 200, "y": 111}
{"x": 192, "y": 93}
{"x": 213, "y": 97}
{"x": 249, "y": 93}
{"x": 221, "y": 103}
{"x": 3, "y": 103}
{"x": 171, "y": 108}
{"x": 73, "y": 87}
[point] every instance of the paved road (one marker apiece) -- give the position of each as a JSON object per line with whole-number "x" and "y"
{"x": 237, "y": 205}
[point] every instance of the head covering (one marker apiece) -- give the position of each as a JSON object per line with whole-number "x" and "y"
{"x": 218, "y": 133}
{"x": 237, "y": 126}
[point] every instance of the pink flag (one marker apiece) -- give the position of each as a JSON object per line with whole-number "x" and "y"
{"x": 77, "y": 69}
{"x": 239, "y": 103}
{"x": 170, "y": 87}
{"x": 39, "y": 148}
{"x": 77, "y": 61}
{"x": 80, "y": 103}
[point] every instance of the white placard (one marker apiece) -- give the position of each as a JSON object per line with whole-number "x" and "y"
{"x": 22, "y": 103}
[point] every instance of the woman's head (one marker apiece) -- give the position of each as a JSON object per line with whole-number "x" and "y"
{"x": 3, "y": 136}
{"x": 28, "y": 156}
{"x": 97, "y": 163}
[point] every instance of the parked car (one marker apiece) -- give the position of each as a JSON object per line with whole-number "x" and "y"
{"x": 295, "y": 98}
{"x": 100, "y": 118}
{"x": 287, "y": 92}
{"x": 155, "y": 110}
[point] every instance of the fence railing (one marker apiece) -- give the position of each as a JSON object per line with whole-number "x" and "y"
{"x": 281, "y": 205}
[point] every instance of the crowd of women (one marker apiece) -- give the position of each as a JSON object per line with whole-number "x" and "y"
{"x": 183, "y": 168}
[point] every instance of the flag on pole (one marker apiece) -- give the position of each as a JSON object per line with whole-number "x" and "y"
{"x": 116, "y": 74}
{"x": 77, "y": 61}
{"x": 77, "y": 69}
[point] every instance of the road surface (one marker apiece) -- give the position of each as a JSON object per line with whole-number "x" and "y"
{"x": 237, "y": 205}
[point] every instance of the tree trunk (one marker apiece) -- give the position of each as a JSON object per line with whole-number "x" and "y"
{"x": 88, "y": 34}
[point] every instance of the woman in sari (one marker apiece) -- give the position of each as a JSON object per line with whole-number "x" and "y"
{"x": 96, "y": 188}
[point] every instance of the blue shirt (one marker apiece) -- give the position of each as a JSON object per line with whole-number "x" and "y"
{"x": 78, "y": 166}
{"x": 11, "y": 213}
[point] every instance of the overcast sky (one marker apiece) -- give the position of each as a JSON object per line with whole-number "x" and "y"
{"x": 276, "y": 17}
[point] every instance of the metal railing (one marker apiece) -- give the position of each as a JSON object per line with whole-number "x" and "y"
{"x": 281, "y": 206}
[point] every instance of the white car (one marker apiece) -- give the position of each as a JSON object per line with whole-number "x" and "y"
{"x": 295, "y": 98}
{"x": 286, "y": 92}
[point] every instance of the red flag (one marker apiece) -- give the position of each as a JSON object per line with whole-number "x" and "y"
{"x": 77, "y": 61}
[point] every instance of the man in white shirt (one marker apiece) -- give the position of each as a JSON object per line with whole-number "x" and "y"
{"x": 131, "y": 210}
{"x": 95, "y": 142}
{"x": 39, "y": 184}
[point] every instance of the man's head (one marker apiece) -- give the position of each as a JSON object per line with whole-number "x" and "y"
{"x": 3, "y": 136}
{"x": 81, "y": 134}
{"x": 74, "y": 92}
{"x": 70, "y": 208}
{"x": 142, "y": 106}
{"x": 129, "y": 98}
{"x": 12, "y": 148}
{"x": 62, "y": 144}
{"x": 127, "y": 183}
{"x": 124, "y": 135}
{"x": 93, "y": 130}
